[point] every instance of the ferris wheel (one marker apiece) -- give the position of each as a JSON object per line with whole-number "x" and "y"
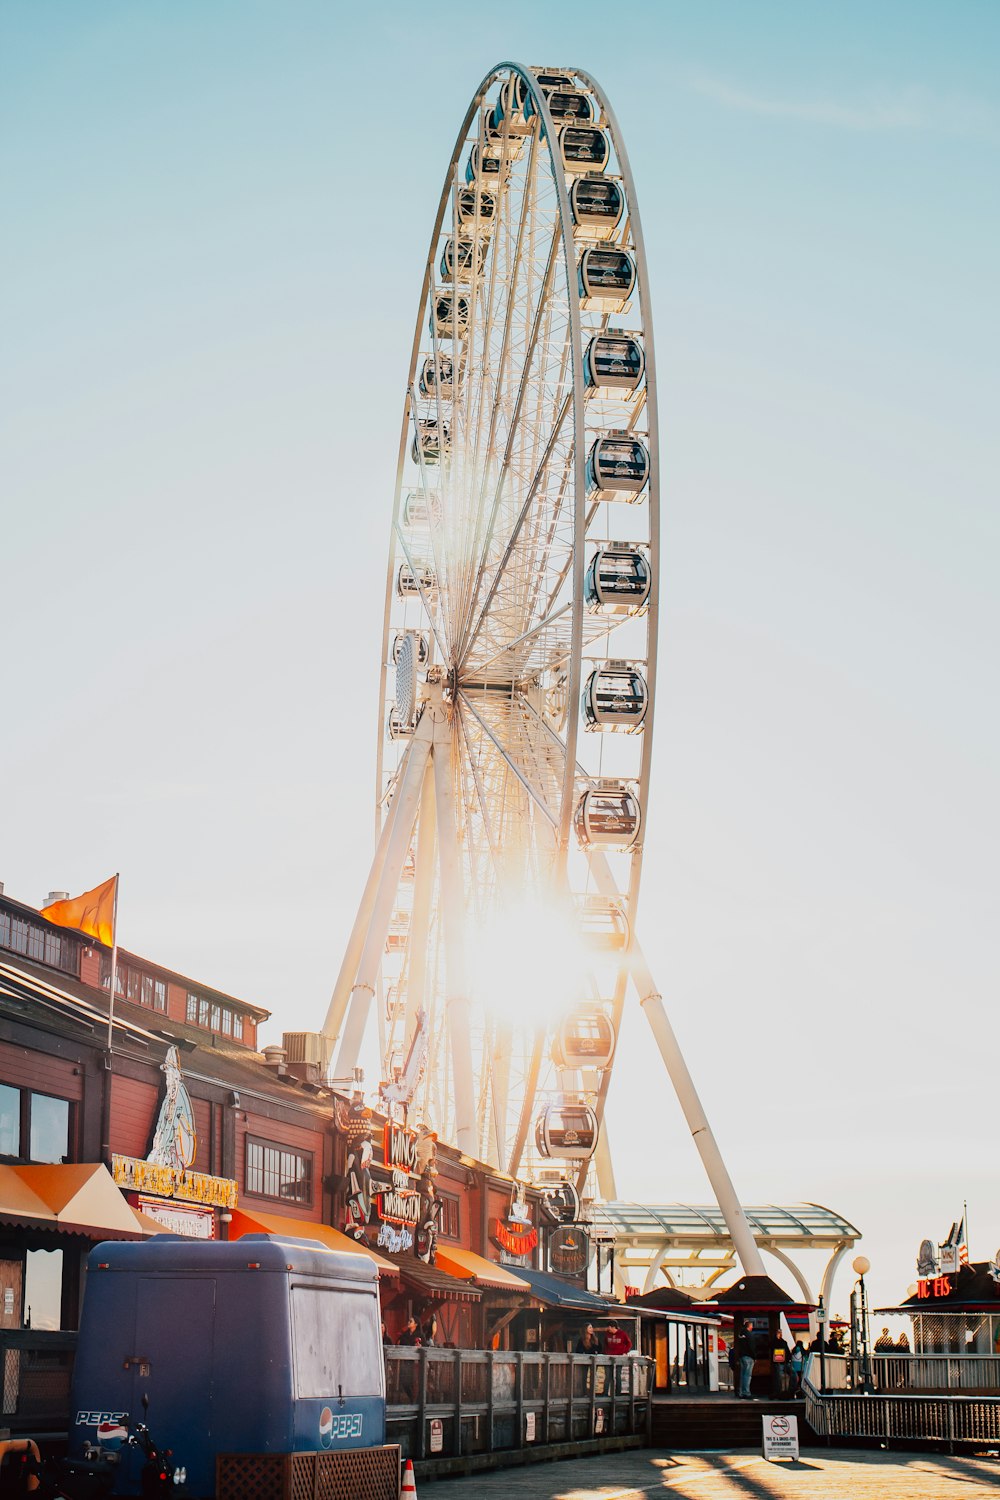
{"x": 518, "y": 665}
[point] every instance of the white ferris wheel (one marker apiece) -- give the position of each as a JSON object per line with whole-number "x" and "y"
{"x": 495, "y": 939}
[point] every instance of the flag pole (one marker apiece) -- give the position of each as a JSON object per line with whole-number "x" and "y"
{"x": 114, "y": 963}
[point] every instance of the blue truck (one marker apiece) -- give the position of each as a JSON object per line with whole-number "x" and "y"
{"x": 263, "y": 1345}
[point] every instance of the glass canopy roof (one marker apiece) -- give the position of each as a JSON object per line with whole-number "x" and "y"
{"x": 801, "y": 1224}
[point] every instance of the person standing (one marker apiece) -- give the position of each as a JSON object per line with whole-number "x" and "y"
{"x": 410, "y": 1336}
{"x": 744, "y": 1345}
{"x": 588, "y": 1342}
{"x": 796, "y": 1364}
{"x": 616, "y": 1340}
{"x": 779, "y": 1366}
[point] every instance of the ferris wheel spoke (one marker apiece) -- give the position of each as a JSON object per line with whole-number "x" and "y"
{"x": 528, "y": 373}
{"x": 513, "y": 763}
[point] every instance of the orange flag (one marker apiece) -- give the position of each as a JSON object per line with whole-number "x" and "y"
{"x": 93, "y": 912}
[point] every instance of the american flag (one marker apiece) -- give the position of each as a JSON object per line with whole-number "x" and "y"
{"x": 960, "y": 1240}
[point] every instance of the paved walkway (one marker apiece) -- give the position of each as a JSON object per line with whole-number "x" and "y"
{"x": 821, "y": 1474}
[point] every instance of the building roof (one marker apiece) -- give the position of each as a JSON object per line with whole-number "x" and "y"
{"x": 802, "y": 1225}
{"x": 40, "y": 997}
{"x": 258, "y": 1012}
{"x": 970, "y": 1288}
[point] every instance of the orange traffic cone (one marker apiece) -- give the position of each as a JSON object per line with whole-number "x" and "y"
{"x": 409, "y": 1485}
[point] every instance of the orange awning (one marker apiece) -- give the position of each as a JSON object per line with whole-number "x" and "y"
{"x": 76, "y": 1197}
{"x": 255, "y": 1221}
{"x": 472, "y": 1267}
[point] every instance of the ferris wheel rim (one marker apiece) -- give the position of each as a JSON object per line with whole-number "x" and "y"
{"x": 645, "y": 413}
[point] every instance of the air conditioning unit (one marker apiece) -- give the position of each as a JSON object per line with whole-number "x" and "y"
{"x": 305, "y": 1047}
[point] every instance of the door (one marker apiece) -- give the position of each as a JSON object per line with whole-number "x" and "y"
{"x": 11, "y": 1293}
{"x": 173, "y": 1361}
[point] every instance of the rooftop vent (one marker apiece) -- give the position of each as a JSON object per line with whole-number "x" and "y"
{"x": 56, "y": 896}
{"x": 274, "y": 1056}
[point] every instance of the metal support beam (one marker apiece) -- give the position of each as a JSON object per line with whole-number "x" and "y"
{"x": 405, "y": 811}
{"x": 453, "y": 903}
{"x": 677, "y": 1069}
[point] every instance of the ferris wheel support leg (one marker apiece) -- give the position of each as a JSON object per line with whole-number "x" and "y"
{"x": 722, "y": 1184}
{"x": 453, "y": 900}
{"x": 606, "y": 1185}
{"x": 352, "y": 953}
{"x": 423, "y": 884}
{"x": 677, "y": 1070}
{"x": 363, "y": 989}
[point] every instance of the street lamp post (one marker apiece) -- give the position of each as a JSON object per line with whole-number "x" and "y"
{"x": 859, "y": 1316}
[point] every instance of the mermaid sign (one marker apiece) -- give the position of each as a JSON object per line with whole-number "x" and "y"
{"x": 166, "y": 1171}
{"x": 175, "y": 1139}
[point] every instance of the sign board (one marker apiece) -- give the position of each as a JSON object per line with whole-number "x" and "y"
{"x": 599, "y": 1415}
{"x": 529, "y": 1427}
{"x": 437, "y": 1435}
{"x": 180, "y": 1218}
{"x": 781, "y": 1436}
{"x": 173, "y": 1182}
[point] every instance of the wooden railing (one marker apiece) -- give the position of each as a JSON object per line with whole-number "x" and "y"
{"x": 445, "y": 1403}
{"x": 896, "y": 1415}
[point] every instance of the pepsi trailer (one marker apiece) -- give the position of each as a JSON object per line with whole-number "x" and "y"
{"x": 263, "y": 1346}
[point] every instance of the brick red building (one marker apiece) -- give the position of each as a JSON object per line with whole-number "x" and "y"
{"x": 268, "y": 1142}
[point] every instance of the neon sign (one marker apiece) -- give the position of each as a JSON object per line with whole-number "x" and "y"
{"x": 937, "y": 1286}
{"x": 514, "y": 1241}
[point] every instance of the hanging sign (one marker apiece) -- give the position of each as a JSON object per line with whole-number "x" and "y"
{"x": 569, "y": 1250}
{"x": 780, "y": 1436}
{"x": 516, "y": 1241}
{"x": 437, "y": 1435}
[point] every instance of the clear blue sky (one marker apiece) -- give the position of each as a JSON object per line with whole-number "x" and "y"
{"x": 214, "y": 218}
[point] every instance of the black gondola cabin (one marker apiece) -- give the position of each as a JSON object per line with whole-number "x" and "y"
{"x": 618, "y": 580}
{"x": 605, "y": 277}
{"x": 566, "y": 1130}
{"x": 615, "y": 699}
{"x": 614, "y": 364}
{"x": 607, "y": 816}
{"x": 617, "y": 467}
{"x": 597, "y": 204}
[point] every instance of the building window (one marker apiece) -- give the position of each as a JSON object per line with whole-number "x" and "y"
{"x": 18, "y": 935}
{"x": 450, "y": 1221}
{"x": 10, "y": 1120}
{"x": 159, "y": 995}
{"x": 227, "y": 1022}
{"x": 33, "y": 1127}
{"x": 276, "y": 1172}
{"x": 192, "y": 1009}
{"x": 237, "y": 1027}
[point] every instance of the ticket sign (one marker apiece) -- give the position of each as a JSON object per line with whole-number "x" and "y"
{"x": 781, "y": 1436}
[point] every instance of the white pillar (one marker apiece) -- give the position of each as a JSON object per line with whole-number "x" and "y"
{"x": 677, "y": 1069}
{"x": 405, "y": 811}
{"x": 352, "y": 953}
{"x": 453, "y": 904}
{"x": 423, "y": 887}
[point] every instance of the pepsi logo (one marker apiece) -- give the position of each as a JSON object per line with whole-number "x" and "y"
{"x": 326, "y": 1427}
